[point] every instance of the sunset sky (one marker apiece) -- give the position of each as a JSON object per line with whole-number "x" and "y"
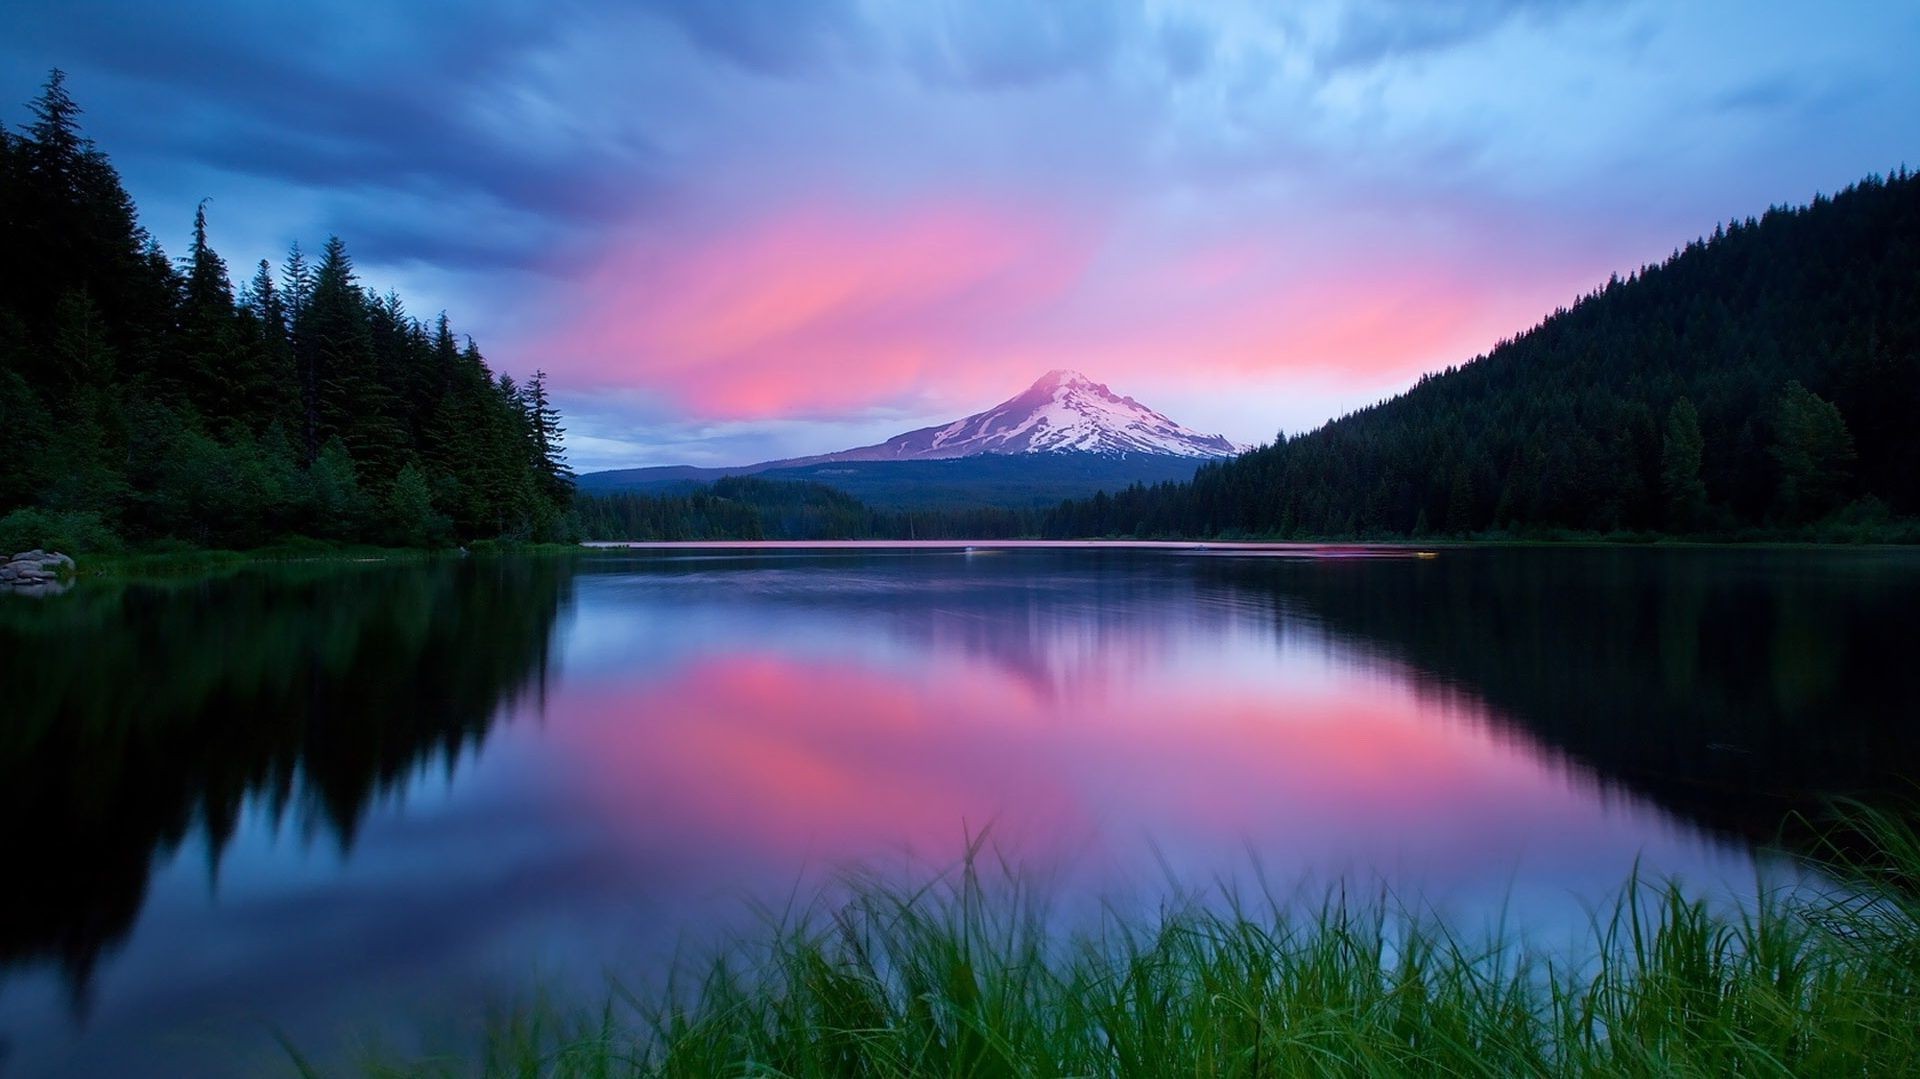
{"x": 735, "y": 231}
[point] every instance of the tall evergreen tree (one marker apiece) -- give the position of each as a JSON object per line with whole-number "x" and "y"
{"x": 75, "y": 229}
{"x": 296, "y": 284}
{"x": 270, "y": 390}
{"x": 210, "y": 382}
{"x": 543, "y": 420}
{"x": 1680, "y": 454}
{"x": 335, "y": 333}
{"x": 89, "y": 439}
{"x": 152, "y": 400}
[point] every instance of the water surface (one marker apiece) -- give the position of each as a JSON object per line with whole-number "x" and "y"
{"x": 335, "y": 802}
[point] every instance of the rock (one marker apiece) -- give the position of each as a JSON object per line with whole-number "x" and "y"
{"x": 35, "y": 572}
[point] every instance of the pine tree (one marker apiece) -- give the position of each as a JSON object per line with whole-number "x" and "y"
{"x": 1460, "y": 502}
{"x": 1680, "y": 453}
{"x": 543, "y": 420}
{"x": 296, "y": 286}
{"x": 89, "y": 436}
{"x": 208, "y": 380}
{"x": 269, "y": 380}
{"x": 148, "y": 395}
{"x": 75, "y": 229}
{"x": 334, "y": 343}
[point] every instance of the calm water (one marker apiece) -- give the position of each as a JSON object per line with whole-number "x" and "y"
{"x": 314, "y": 800}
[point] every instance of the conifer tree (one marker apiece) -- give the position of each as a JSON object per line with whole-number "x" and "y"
{"x": 544, "y": 422}
{"x": 1680, "y": 453}
{"x": 271, "y": 391}
{"x": 151, "y": 399}
{"x": 210, "y": 382}
{"x": 335, "y": 332}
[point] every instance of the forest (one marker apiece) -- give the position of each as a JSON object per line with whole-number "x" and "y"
{"x": 1762, "y": 382}
{"x": 751, "y": 508}
{"x": 143, "y": 401}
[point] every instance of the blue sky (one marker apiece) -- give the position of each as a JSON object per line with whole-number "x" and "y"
{"x": 743, "y": 230}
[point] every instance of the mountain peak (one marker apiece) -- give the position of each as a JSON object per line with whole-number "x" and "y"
{"x": 1061, "y": 376}
{"x": 1063, "y": 412}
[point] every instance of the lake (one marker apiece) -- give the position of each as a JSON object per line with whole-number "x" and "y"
{"x": 358, "y": 803}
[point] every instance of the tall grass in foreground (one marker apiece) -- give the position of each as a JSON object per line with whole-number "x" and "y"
{"x": 964, "y": 978}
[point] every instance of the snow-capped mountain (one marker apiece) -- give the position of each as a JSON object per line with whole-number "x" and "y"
{"x": 1065, "y": 436}
{"x": 1065, "y": 411}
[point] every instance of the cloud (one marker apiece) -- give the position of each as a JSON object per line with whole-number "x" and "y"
{"x": 774, "y": 37}
{"x": 1186, "y": 46}
{"x": 1370, "y": 32}
{"x": 818, "y": 308}
{"x": 284, "y": 94}
{"x": 1011, "y": 44}
{"x": 743, "y": 226}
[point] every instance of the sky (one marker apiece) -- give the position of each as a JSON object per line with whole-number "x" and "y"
{"x": 737, "y": 231}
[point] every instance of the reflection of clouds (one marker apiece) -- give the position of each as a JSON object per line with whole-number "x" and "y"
{"x": 1060, "y": 625}
{"x": 1089, "y": 713}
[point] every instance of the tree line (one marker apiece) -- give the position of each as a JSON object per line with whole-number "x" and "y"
{"x": 1764, "y": 380}
{"x": 143, "y": 399}
{"x": 750, "y": 508}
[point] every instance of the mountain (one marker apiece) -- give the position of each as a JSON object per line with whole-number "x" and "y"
{"x": 1063, "y": 412}
{"x": 1764, "y": 381}
{"x": 1065, "y": 436}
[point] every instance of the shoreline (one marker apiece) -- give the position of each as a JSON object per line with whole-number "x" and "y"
{"x": 191, "y": 562}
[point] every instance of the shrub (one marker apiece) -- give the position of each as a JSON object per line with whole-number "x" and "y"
{"x": 70, "y": 533}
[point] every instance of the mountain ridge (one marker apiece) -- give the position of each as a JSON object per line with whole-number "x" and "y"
{"x": 1069, "y": 434}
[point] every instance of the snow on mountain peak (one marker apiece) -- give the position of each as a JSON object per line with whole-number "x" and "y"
{"x": 1061, "y": 376}
{"x": 1062, "y": 412}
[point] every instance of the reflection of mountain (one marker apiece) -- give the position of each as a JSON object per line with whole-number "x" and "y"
{"x": 1059, "y": 621}
{"x": 140, "y": 716}
{"x": 1730, "y": 685}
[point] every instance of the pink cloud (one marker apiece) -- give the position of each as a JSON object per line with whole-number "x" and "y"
{"x": 819, "y": 308}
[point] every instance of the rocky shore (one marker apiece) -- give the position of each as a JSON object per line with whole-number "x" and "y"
{"x": 36, "y": 573}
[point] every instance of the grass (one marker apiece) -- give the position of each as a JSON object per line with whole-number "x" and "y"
{"x": 965, "y": 977}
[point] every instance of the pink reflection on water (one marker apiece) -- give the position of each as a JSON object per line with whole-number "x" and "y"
{"x": 772, "y": 763}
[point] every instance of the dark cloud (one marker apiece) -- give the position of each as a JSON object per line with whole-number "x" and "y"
{"x": 1373, "y": 31}
{"x": 772, "y": 37}
{"x": 380, "y": 101}
{"x": 1781, "y": 95}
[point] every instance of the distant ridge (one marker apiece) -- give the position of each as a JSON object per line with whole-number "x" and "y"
{"x": 1064, "y": 436}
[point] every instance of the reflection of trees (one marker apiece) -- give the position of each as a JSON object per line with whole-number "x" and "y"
{"x": 1053, "y": 620}
{"x": 1731, "y": 685}
{"x": 137, "y": 716}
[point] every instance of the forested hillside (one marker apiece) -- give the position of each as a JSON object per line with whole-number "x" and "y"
{"x": 752, "y": 508}
{"x": 1766, "y": 379}
{"x": 142, "y": 399}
